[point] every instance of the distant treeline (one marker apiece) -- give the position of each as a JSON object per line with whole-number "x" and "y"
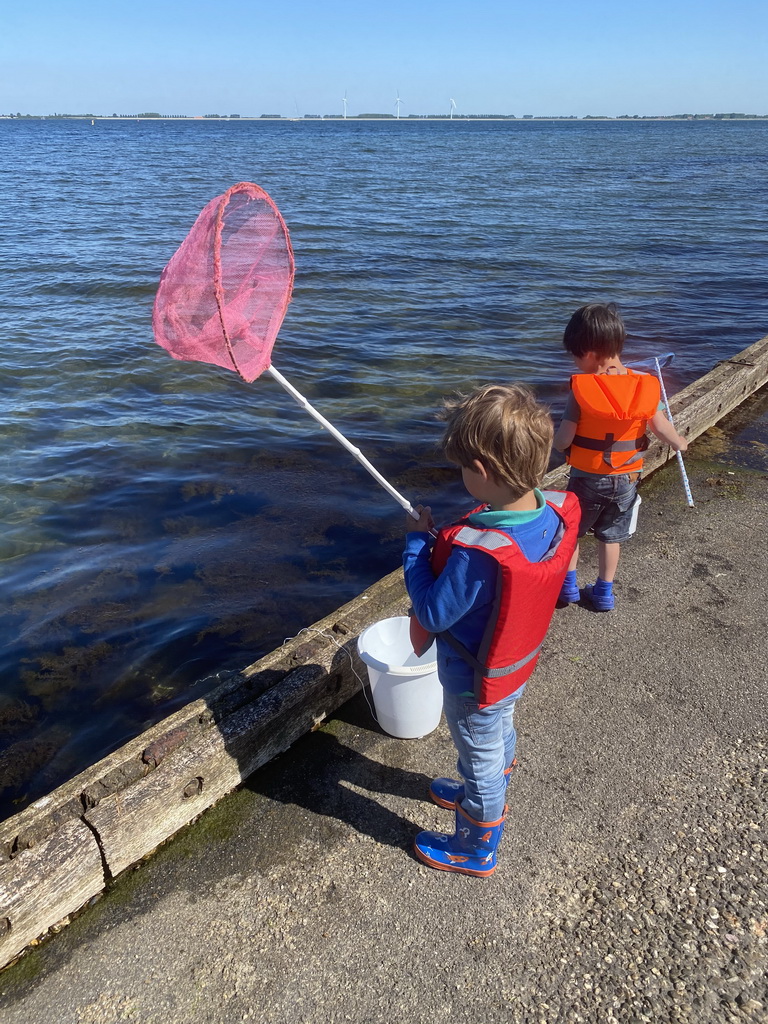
{"x": 409, "y": 117}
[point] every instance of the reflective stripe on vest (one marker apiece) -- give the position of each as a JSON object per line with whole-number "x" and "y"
{"x": 484, "y": 539}
{"x": 555, "y": 497}
{"x": 492, "y": 673}
{"x": 606, "y": 445}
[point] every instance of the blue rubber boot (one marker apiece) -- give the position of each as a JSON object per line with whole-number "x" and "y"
{"x": 471, "y": 851}
{"x": 446, "y": 792}
{"x": 600, "y": 595}
{"x": 569, "y": 592}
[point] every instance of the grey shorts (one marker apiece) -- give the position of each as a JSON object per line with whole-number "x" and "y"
{"x": 606, "y": 506}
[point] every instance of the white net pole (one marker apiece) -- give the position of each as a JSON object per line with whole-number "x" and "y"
{"x": 302, "y": 401}
{"x": 681, "y": 464}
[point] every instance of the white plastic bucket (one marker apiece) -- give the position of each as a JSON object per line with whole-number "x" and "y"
{"x": 407, "y": 694}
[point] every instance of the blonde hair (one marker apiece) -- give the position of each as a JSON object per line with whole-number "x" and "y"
{"x": 506, "y": 429}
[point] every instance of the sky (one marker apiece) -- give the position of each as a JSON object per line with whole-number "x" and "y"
{"x": 296, "y": 57}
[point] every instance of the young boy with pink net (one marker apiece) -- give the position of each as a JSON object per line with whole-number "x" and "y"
{"x": 487, "y": 591}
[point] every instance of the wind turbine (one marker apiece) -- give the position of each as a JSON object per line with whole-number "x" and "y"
{"x": 453, "y": 107}
{"x": 397, "y": 103}
{"x": 344, "y": 101}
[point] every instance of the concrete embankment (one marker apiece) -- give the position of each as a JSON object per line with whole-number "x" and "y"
{"x": 632, "y": 879}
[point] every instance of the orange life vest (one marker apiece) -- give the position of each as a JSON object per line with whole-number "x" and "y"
{"x": 614, "y": 409}
{"x": 525, "y": 600}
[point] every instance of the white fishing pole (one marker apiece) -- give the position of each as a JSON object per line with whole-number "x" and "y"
{"x": 680, "y": 462}
{"x": 302, "y": 401}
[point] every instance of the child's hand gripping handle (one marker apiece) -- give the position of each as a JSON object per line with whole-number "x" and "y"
{"x": 424, "y": 521}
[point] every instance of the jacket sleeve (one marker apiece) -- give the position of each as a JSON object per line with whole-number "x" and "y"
{"x": 468, "y": 579}
{"x": 572, "y": 412}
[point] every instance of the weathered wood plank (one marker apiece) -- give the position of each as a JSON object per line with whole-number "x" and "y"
{"x": 134, "y": 821}
{"x": 707, "y": 400}
{"x": 42, "y": 885}
{"x": 197, "y": 773}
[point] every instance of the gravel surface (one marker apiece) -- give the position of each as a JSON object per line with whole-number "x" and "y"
{"x": 632, "y": 880}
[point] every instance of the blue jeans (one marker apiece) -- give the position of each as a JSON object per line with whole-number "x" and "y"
{"x": 607, "y": 504}
{"x": 485, "y": 739}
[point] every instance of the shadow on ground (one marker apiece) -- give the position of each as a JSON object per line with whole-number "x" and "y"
{"x": 323, "y": 774}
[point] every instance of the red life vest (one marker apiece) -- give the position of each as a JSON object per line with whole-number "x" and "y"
{"x": 614, "y": 409}
{"x": 526, "y": 594}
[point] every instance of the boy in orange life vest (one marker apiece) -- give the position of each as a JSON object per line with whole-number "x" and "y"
{"x": 602, "y": 433}
{"x": 487, "y": 591}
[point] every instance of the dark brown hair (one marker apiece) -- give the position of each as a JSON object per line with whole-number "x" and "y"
{"x": 596, "y": 327}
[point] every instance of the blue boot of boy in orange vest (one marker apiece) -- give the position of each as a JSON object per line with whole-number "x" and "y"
{"x": 470, "y": 851}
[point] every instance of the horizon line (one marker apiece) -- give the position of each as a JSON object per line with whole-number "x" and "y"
{"x": 375, "y": 116}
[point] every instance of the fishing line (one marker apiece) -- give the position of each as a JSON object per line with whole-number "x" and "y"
{"x": 345, "y": 649}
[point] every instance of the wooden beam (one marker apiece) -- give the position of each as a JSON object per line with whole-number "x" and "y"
{"x": 42, "y": 885}
{"x": 710, "y": 398}
{"x": 211, "y": 764}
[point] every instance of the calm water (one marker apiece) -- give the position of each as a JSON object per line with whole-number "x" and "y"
{"x": 162, "y": 521}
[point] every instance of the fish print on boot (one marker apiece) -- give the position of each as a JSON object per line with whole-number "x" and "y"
{"x": 470, "y": 851}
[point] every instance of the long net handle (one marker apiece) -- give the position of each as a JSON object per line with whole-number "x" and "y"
{"x": 681, "y": 464}
{"x": 302, "y": 401}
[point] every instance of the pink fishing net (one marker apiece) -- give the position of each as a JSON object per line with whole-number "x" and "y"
{"x": 224, "y": 293}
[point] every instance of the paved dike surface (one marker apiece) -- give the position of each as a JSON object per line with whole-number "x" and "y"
{"x": 633, "y": 876}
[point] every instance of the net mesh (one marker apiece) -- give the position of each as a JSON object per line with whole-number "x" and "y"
{"x": 224, "y": 293}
